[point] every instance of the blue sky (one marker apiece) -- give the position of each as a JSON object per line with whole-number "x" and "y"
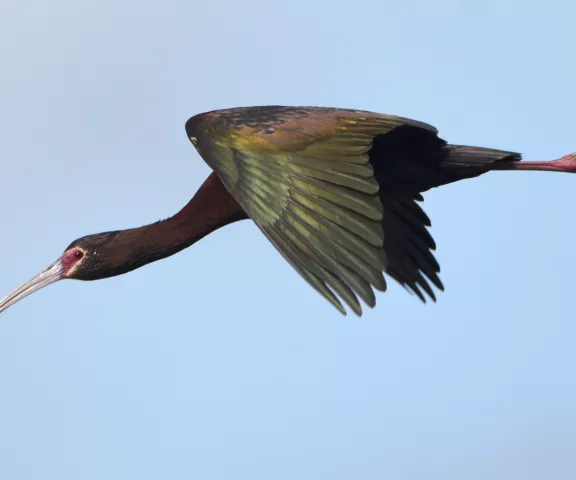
{"x": 221, "y": 362}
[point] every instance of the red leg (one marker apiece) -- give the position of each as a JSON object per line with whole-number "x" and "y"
{"x": 565, "y": 164}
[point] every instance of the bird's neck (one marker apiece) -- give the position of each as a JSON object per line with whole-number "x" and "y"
{"x": 211, "y": 208}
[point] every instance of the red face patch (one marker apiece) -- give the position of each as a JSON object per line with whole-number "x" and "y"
{"x": 69, "y": 259}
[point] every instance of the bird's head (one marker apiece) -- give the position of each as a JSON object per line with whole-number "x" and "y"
{"x": 88, "y": 258}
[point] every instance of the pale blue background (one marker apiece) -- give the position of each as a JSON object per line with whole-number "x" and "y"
{"x": 221, "y": 363}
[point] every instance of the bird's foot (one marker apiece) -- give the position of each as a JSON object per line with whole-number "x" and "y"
{"x": 567, "y": 163}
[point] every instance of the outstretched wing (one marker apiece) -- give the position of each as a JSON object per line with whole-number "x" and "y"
{"x": 304, "y": 176}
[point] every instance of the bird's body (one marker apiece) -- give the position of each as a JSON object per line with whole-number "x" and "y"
{"x": 336, "y": 191}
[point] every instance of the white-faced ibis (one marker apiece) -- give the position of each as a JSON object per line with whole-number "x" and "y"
{"x": 335, "y": 190}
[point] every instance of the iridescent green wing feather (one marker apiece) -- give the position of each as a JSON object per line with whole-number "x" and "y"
{"x": 304, "y": 176}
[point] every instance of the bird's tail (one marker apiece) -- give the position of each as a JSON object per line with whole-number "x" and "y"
{"x": 462, "y": 156}
{"x": 461, "y": 161}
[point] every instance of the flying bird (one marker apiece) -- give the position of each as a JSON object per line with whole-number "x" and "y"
{"x": 336, "y": 191}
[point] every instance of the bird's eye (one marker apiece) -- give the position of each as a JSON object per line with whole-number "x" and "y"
{"x": 78, "y": 255}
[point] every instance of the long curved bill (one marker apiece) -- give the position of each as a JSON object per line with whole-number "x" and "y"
{"x": 46, "y": 277}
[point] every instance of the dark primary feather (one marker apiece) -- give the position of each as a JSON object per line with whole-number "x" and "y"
{"x": 336, "y": 190}
{"x": 409, "y": 246}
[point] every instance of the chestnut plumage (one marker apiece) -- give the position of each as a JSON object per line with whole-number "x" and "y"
{"x": 336, "y": 191}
